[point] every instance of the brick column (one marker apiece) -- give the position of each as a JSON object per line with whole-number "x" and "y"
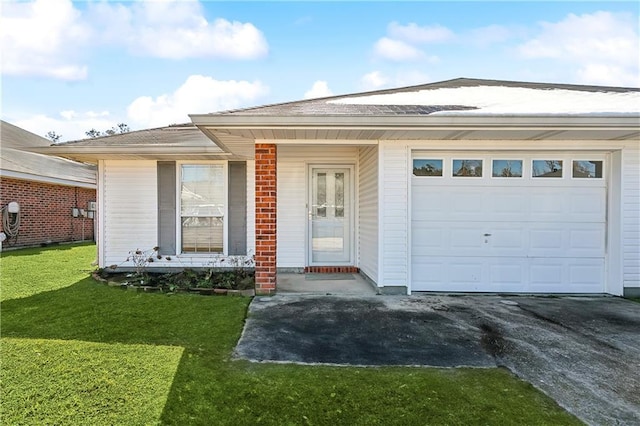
{"x": 266, "y": 215}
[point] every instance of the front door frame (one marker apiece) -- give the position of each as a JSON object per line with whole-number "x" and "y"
{"x": 352, "y": 212}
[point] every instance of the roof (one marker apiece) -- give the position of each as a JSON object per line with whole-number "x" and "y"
{"x": 17, "y": 161}
{"x": 176, "y": 134}
{"x": 464, "y": 96}
{"x": 178, "y": 141}
{"x": 459, "y": 109}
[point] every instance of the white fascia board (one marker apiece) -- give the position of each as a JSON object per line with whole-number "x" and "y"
{"x": 516, "y": 144}
{"x": 405, "y": 122}
{"x": 211, "y": 135}
{"x": 307, "y": 142}
{"x": 46, "y": 179}
{"x": 138, "y": 150}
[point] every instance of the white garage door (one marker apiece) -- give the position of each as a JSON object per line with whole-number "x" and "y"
{"x": 508, "y": 223}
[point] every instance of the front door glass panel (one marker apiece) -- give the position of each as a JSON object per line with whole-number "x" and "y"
{"x": 330, "y": 213}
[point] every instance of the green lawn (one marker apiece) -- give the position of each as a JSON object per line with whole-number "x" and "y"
{"x": 84, "y": 353}
{"x": 30, "y": 271}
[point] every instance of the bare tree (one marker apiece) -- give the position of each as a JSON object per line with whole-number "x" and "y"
{"x": 120, "y": 128}
{"x": 93, "y": 133}
{"x": 53, "y": 136}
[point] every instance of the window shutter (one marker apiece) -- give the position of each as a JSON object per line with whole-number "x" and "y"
{"x": 237, "y": 227}
{"x": 167, "y": 207}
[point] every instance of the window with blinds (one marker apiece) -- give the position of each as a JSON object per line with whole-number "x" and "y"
{"x": 202, "y": 207}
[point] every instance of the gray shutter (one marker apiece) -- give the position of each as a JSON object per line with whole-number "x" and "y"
{"x": 167, "y": 207}
{"x": 237, "y": 208}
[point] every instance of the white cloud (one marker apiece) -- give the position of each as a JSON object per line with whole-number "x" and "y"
{"x": 320, "y": 89}
{"x": 403, "y": 42}
{"x": 416, "y": 34}
{"x": 70, "y": 125}
{"x": 41, "y": 38}
{"x": 396, "y": 50}
{"x": 374, "y": 80}
{"x": 199, "y": 94}
{"x": 177, "y": 29}
{"x": 596, "y": 44}
{"x": 377, "y": 80}
{"x": 607, "y": 75}
{"x": 52, "y": 38}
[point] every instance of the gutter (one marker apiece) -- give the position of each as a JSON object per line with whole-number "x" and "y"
{"x": 46, "y": 179}
{"x": 435, "y": 122}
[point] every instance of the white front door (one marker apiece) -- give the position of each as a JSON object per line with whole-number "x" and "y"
{"x": 330, "y": 216}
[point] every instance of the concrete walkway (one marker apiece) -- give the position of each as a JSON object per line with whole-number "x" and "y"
{"x": 582, "y": 351}
{"x": 324, "y": 284}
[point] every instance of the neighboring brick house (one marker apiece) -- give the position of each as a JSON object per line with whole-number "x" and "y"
{"x": 47, "y": 190}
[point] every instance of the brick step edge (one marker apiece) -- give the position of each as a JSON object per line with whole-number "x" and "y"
{"x": 331, "y": 270}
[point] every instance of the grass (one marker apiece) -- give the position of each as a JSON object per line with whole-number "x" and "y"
{"x": 30, "y": 271}
{"x": 67, "y": 382}
{"x": 110, "y": 355}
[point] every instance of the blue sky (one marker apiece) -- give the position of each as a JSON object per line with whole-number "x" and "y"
{"x": 72, "y": 66}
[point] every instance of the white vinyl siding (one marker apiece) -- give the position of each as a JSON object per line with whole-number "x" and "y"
{"x": 368, "y": 211}
{"x": 631, "y": 214}
{"x": 394, "y": 232}
{"x": 130, "y": 208}
{"x": 292, "y": 196}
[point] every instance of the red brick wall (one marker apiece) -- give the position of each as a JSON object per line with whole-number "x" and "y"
{"x": 266, "y": 214}
{"x": 45, "y": 212}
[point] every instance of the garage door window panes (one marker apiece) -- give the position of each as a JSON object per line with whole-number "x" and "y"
{"x": 427, "y": 167}
{"x": 467, "y": 168}
{"x": 546, "y": 168}
{"x": 507, "y": 168}
{"x": 202, "y": 207}
{"x": 587, "y": 169}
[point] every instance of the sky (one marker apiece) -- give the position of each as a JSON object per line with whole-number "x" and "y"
{"x": 69, "y": 66}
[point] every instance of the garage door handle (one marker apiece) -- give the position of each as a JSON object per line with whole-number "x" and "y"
{"x": 487, "y": 235}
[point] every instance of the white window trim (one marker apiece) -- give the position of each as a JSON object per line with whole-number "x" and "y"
{"x": 225, "y": 221}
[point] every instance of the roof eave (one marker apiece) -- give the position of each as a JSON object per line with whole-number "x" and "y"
{"x": 230, "y": 121}
{"x": 85, "y": 152}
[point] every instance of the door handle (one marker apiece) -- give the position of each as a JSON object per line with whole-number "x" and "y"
{"x": 487, "y": 235}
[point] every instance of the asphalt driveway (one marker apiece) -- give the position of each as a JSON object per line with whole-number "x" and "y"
{"x": 582, "y": 351}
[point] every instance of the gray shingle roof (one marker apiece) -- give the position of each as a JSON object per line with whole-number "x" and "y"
{"x": 321, "y": 107}
{"x": 325, "y": 106}
{"x": 13, "y": 141}
{"x": 180, "y": 134}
